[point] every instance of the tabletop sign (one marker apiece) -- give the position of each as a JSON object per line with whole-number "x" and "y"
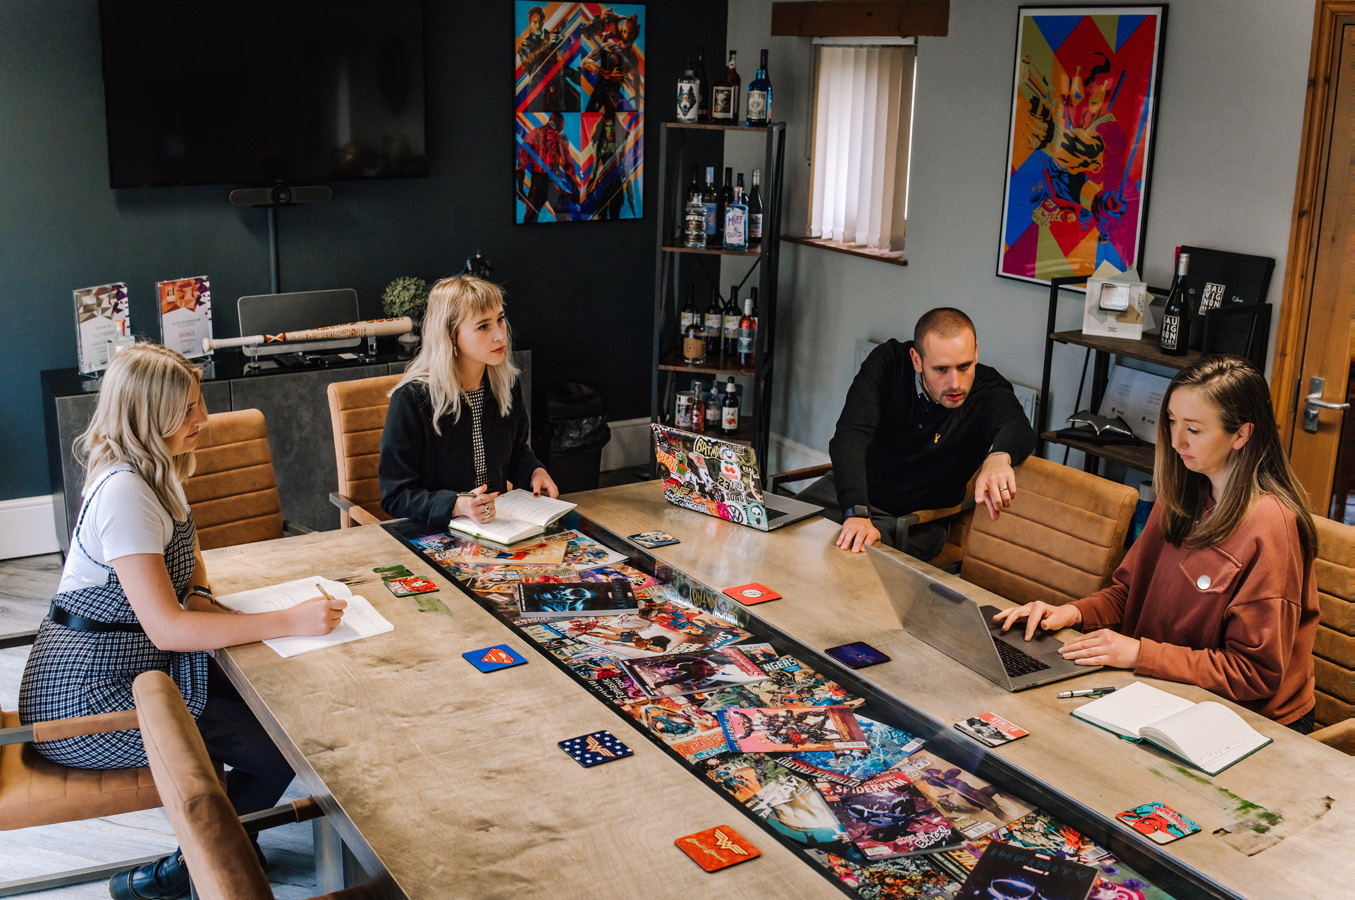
{"x": 185, "y": 314}
{"x": 100, "y": 317}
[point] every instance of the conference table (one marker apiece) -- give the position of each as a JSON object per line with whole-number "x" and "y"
{"x": 442, "y": 781}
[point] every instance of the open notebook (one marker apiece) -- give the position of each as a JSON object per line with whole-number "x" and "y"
{"x": 360, "y": 618}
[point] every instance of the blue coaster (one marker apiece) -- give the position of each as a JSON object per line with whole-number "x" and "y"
{"x": 493, "y": 658}
{"x": 595, "y": 749}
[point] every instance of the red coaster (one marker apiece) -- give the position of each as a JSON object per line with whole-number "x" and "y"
{"x": 717, "y": 848}
{"x": 748, "y": 594}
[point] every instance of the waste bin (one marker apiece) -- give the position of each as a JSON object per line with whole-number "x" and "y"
{"x": 576, "y": 432}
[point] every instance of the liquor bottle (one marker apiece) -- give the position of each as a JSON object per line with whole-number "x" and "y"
{"x": 699, "y": 407}
{"x": 724, "y": 95}
{"x": 755, "y": 211}
{"x": 703, "y": 87}
{"x": 736, "y": 221}
{"x": 694, "y": 343}
{"x": 694, "y": 222}
{"x": 722, "y": 203}
{"x": 714, "y": 323}
{"x": 760, "y": 96}
{"x": 709, "y": 199}
{"x": 747, "y": 334}
{"x": 1176, "y": 317}
{"x": 730, "y": 316}
{"x": 729, "y": 409}
{"x": 687, "y": 87}
{"x": 752, "y": 296}
{"x": 713, "y": 406}
{"x": 688, "y": 314}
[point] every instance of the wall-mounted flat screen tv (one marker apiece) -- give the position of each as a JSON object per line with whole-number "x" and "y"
{"x": 243, "y": 92}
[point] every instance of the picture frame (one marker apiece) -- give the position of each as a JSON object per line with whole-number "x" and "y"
{"x": 1085, "y": 90}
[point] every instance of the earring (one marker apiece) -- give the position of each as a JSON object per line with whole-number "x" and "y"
{"x": 454, "y": 351}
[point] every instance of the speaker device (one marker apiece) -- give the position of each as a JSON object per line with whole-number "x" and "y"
{"x": 280, "y": 195}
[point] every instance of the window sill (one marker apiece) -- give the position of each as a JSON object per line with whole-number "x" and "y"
{"x": 892, "y": 257}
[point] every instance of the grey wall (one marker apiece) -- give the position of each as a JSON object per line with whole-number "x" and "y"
{"x": 1223, "y": 176}
{"x": 580, "y": 294}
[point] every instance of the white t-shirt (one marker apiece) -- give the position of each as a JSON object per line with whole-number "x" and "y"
{"x": 122, "y": 518}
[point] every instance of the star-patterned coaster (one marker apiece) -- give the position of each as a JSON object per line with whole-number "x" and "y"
{"x": 595, "y": 749}
{"x": 718, "y": 847}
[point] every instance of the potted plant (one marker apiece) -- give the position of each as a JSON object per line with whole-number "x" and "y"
{"x": 406, "y": 296}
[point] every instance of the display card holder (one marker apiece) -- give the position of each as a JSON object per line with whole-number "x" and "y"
{"x": 185, "y": 314}
{"x": 100, "y": 318}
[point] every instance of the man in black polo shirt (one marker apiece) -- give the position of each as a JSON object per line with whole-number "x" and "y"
{"x": 920, "y": 418}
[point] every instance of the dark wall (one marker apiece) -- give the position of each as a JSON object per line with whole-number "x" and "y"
{"x": 581, "y": 295}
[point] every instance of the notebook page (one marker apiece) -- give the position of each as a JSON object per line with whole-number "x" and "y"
{"x": 1208, "y": 734}
{"x": 1131, "y": 708}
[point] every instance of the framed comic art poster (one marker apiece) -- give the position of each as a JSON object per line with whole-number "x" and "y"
{"x": 579, "y": 128}
{"x": 1080, "y": 151}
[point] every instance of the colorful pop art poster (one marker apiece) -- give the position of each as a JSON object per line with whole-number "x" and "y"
{"x": 1084, "y": 105}
{"x": 579, "y": 129}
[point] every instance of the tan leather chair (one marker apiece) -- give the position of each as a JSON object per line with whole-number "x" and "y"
{"x": 1334, "y": 647}
{"x": 214, "y": 843}
{"x": 234, "y": 490}
{"x": 1059, "y": 541}
{"x": 357, "y": 411}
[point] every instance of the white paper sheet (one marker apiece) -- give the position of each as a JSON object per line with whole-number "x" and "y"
{"x": 360, "y": 618}
{"x": 1136, "y": 397}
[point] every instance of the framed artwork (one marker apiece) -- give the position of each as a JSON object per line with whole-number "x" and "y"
{"x": 1084, "y": 106}
{"x": 580, "y": 102}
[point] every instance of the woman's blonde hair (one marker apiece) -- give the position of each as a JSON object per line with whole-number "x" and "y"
{"x": 1238, "y": 393}
{"x": 142, "y": 401}
{"x": 451, "y": 302}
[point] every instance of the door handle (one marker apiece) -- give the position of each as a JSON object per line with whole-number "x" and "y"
{"x": 1313, "y": 403}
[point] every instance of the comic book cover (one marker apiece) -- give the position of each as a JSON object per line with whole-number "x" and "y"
{"x": 790, "y": 683}
{"x": 1117, "y": 881}
{"x": 580, "y": 656}
{"x": 632, "y": 637}
{"x": 762, "y": 653}
{"x": 683, "y": 725}
{"x": 450, "y": 549}
{"x": 762, "y": 730}
{"x": 675, "y": 674}
{"x": 1041, "y": 831}
{"x": 683, "y": 617}
{"x": 814, "y": 773}
{"x": 844, "y": 870}
{"x": 888, "y": 746}
{"x": 961, "y": 861}
{"x": 573, "y": 601}
{"x": 505, "y": 579}
{"x": 887, "y": 816}
{"x": 904, "y": 877}
{"x": 660, "y": 593}
{"x": 973, "y": 806}
{"x": 794, "y": 808}
{"x": 619, "y": 572}
{"x": 1006, "y": 870}
{"x": 742, "y": 776}
{"x": 585, "y": 553}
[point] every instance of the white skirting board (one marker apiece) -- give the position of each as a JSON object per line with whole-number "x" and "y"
{"x": 27, "y": 527}
{"x": 631, "y": 440}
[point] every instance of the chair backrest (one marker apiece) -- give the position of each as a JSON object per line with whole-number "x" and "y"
{"x": 213, "y": 841}
{"x": 1334, "y": 647}
{"x": 357, "y": 411}
{"x": 1060, "y": 540}
{"x": 234, "y": 491}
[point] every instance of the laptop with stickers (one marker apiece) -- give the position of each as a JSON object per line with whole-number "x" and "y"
{"x": 720, "y": 478}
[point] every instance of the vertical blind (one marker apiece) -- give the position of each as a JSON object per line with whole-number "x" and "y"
{"x": 856, "y": 137}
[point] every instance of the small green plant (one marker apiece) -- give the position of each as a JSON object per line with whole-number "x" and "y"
{"x": 405, "y": 296}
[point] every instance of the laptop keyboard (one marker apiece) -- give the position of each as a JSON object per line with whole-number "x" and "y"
{"x": 774, "y": 514}
{"x": 1016, "y": 661}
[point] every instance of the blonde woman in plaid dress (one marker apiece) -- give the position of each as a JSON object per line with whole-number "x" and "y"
{"x": 134, "y": 596}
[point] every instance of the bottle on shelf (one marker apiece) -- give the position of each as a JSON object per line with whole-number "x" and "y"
{"x": 694, "y": 222}
{"x": 729, "y": 409}
{"x": 754, "y": 210}
{"x": 714, "y": 324}
{"x": 712, "y": 402}
{"x": 688, "y": 314}
{"x": 699, "y": 406}
{"x": 760, "y": 96}
{"x": 722, "y": 200}
{"x": 736, "y": 220}
{"x": 752, "y": 296}
{"x": 747, "y": 334}
{"x": 710, "y": 200}
{"x": 730, "y": 317}
{"x": 687, "y": 87}
{"x": 694, "y": 343}
{"x": 703, "y": 87}
{"x": 724, "y": 94}
{"x": 1175, "y": 337}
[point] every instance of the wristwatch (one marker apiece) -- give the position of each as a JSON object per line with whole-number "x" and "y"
{"x": 856, "y": 512}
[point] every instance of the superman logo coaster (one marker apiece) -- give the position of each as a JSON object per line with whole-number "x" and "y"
{"x": 491, "y": 659}
{"x": 595, "y": 749}
{"x": 717, "y": 848}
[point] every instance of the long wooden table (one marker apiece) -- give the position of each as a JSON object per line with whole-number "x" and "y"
{"x": 446, "y": 782}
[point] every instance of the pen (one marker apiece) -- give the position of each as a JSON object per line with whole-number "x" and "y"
{"x": 1090, "y": 692}
{"x": 321, "y": 588}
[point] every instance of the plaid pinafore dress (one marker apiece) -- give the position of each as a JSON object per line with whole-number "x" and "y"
{"x": 80, "y": 673}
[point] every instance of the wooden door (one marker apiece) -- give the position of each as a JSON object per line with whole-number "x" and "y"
{"x": 1317, "y": 335}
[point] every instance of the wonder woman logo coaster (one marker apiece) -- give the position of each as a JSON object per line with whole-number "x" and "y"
{"x": 595, "y": 749}
{"x": 717, "y": 848}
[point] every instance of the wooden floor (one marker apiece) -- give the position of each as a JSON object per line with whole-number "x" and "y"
{"x": 26, "y": 589}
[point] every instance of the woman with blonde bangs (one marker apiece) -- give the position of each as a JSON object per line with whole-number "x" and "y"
{"x": 134, "y": 596}
{"x": 1219, "y": 589}
{"x": 456, "y": 431}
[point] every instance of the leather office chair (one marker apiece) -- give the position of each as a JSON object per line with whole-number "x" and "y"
{"x": 357, "y": 411}
{"x": 213, "y": 840}
{"x": 1059, "y": 541}
{"x": 234, "y": 490}
{"x": 1334, "y": 647}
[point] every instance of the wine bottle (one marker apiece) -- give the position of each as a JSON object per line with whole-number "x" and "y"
{"x": 724, "y": 94}
{"x": 722, "y": 203}
{"x": 747, "y": 334}
{"x": 1175, "y": 334}
{"x": 714, "y": 323}
{"x": 736, "y": 221}
{"x": 709, "y": 199}
{"x": 688, "y": 314}
{"x": 703, "y": 87}
{"x": 760, "y": 96}
{"x": 687, "y": 87}
{"x": 694, "y": 343}
{"x": 729, "y": 409}
{"x": 713, "y": 407}
{"x": 730, "y": 317}
{"x": 755, "y": 211}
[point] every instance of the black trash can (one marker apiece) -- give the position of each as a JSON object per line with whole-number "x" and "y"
{"x": 576, "y": 432}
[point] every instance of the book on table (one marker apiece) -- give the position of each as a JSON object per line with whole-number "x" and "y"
{"x": 571, "y": 601}
{"x": 1208, "y": 735}
{"x": 519, "y": 516}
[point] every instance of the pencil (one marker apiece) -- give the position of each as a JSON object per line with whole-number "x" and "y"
{"x": 321, "y": 588}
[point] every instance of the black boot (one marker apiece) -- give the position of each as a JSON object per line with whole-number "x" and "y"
{"x": 164, "y": 879}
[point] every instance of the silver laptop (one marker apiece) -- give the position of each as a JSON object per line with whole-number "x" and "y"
{"x": 720, "y": 478}
{"x": 951, "y": 614}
